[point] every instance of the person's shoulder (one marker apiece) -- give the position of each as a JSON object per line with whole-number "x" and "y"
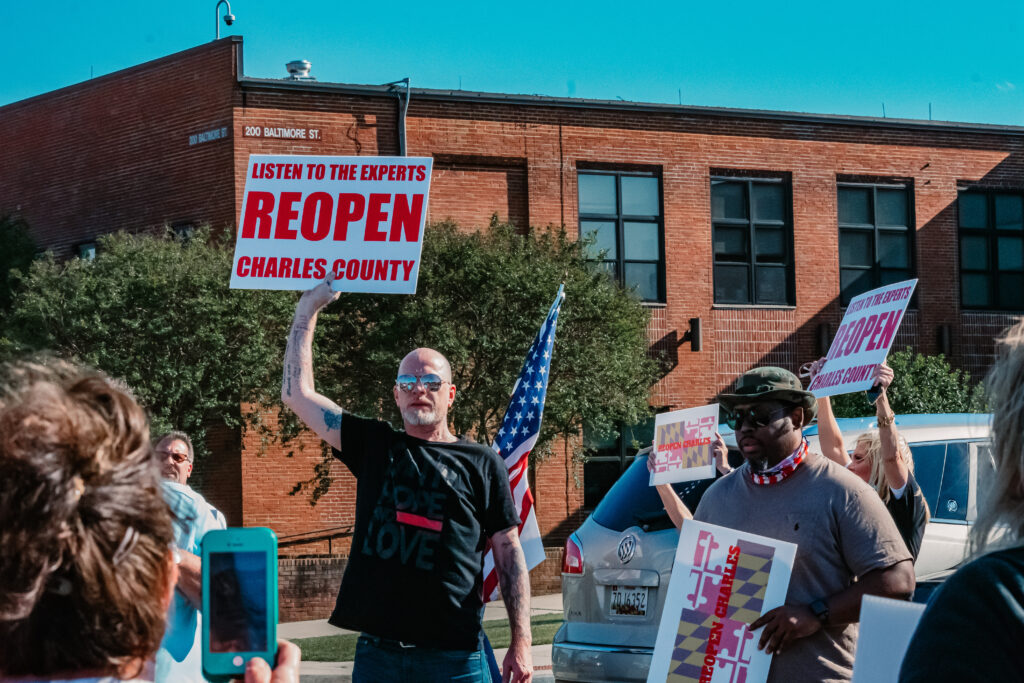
{"x": 996, "y": 568}
{"x": 351, "y": 421}
{"x": 480, "y": 451}
{"x": 180, "y": 496}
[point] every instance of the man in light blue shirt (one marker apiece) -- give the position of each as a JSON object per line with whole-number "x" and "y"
{"x": 180, "y": 654}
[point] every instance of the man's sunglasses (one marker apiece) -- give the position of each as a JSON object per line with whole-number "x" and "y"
{"x": 178, "y": 458}
{"x": 408, "y": 383}
{"x": 760, "y": 416}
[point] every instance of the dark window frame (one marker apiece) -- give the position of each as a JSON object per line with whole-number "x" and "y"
{"x": 620, "y": 260}
{"x": 991, "y": 233}
{"x": 786, "y": 225}
{"x": 624, "y": 454}
{"x": 876, "y": 269}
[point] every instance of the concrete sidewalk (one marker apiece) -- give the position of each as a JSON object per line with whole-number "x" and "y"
{"x": 325, "y": 672}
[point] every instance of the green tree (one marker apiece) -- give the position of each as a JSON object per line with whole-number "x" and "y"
{"x": 16, "y": 255}
{"x": 156, "y": 313}
{"x": 922, "y": 384}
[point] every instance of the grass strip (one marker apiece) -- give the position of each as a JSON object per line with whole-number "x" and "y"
{"x": 343, "y": 648}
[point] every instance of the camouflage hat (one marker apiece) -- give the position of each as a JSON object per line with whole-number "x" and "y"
{"x": 770, "y": 383}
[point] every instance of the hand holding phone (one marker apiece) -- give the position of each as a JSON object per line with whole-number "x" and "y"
{"x": 289, "y": 658}
{"x": 239, "y": 600}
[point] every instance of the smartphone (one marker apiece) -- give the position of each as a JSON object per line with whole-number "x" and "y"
{"x": 239, "y": 600}
{"x": 873, "y": 394}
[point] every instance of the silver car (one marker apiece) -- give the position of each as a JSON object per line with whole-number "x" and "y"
{"x": 617, "y": 565}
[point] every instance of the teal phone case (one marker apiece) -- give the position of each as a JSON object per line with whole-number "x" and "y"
{"x": 254, "y": 549}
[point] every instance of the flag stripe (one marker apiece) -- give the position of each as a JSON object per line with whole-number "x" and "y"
{"x": 517, "y": 437}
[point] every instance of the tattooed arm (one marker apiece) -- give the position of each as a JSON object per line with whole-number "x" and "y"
{"x": 515, "y": 591}
{"x": 319, "y": 413}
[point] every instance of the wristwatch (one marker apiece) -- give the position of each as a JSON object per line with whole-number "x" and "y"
{"x": 820, "y": 610}
{"x": 886, "y": 420}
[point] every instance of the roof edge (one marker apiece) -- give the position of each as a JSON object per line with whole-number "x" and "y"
{"x": 623, "y": 106}
{"x": 99, "y": 80}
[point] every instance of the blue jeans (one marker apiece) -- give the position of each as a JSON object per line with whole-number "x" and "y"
{"x": 379, "y": 660}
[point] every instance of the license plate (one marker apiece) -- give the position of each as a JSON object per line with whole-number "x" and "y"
{"x": 628, "y": 601}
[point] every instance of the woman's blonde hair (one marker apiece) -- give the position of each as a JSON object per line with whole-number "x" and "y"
{"x": 84, "y": 530}
{"x": 1003, "y": 506}
{"x": 872, "y": 441}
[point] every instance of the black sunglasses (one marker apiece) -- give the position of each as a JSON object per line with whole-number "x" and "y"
{"x": 761, "y": 415}
{"x": 407, "y": 383}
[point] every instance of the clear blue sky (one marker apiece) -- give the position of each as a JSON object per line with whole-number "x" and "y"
{"x": 967, "y": 60}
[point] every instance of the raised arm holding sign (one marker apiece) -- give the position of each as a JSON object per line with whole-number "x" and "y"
{"x": 863, "y": 340}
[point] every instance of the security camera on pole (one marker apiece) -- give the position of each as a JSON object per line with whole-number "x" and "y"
{"x": 229, "y": 18}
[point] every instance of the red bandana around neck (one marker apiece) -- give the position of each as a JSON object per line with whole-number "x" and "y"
{"x": 783, "y": 469}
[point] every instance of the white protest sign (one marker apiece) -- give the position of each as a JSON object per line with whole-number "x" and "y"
{"x": 722, "y": 581}
{"x": 863, "y": 340}
{"x": 683, "y": 441}
{"x": 304, "y": 216}
{"x": 886, "y": 627}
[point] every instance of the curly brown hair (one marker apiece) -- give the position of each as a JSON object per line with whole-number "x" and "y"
{"x": 85, "y": 532}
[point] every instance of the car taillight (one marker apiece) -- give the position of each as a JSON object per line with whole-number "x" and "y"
{"x": 572, "y": 557}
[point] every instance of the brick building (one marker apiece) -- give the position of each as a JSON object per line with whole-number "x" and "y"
{"x": 762, "y": 224}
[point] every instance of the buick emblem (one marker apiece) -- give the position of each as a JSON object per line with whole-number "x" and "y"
{"x": 627, "y": 546}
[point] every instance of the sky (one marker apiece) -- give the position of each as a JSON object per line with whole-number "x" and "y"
{"x": 965, "y": 61}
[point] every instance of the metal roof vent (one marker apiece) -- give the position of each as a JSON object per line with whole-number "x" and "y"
{"x": 298, "y": 70}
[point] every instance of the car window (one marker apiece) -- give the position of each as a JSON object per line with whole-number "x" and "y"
{"x": 631, "y": 501}
{"x": 986, "y": 471}
{"x": 929, "y": 461}
{"x": 955, "y": 483}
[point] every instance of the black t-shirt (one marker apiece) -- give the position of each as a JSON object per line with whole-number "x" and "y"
{"x": 973, "y": 627}
{"x": 424, "y": 512}
{"x": 910, "y": 512}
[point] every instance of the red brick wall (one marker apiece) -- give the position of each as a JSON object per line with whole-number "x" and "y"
{"x": 218, "y": 477}
{"x": 557, "y": 485}
{"x": 270, "y": 472}
{"x": 308, "y": 586}
{"x": 113, "y": 153}
{"x": 470, "y": 191}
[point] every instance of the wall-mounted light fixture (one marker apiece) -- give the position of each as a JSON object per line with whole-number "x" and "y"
{"x": 692, "y": 335}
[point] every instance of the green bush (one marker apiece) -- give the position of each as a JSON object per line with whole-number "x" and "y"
{"x": 922, "y": 384}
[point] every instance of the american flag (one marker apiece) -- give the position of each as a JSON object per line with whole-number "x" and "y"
{"x": 516, "y": 438}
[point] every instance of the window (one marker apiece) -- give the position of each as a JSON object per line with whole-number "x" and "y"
{"x": 991, "y": 255}
{"x": 609, "y": 456}
{"x": 942, "y": 472}
{"x": 621, "y": 213}
{"x": 86, "y": 251}
{"x": 753, "y": 241}
{"x": 876, "y": 245}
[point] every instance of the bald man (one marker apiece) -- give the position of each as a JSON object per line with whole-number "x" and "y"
{"x": 427, "y": 503}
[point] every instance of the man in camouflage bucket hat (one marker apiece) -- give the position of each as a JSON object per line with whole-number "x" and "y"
{"x": 847, "y": 544}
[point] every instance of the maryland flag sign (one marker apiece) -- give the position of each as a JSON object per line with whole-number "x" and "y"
{"x": 722, "y": 580}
